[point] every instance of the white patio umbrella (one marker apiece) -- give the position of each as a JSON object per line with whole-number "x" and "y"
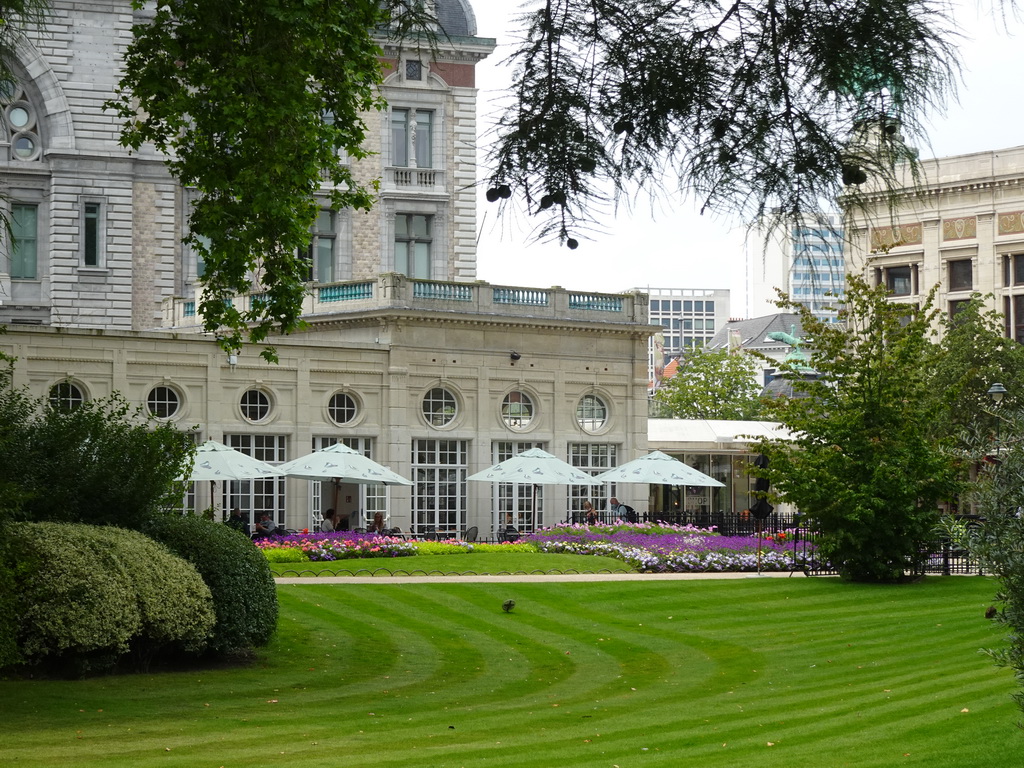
{"x": 534, "y": 467}
{"x": 660, "y": 469}
{"x": 341, "y": 463}
{"x": 216, "y": 461}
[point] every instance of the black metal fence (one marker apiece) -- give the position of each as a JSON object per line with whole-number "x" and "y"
{"x": 940, "y": 557}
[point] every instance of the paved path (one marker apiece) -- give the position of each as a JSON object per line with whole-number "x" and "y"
{"x": 483, "y": 579}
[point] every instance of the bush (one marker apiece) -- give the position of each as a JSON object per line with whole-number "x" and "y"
{"x": 237, "y": 573}
{"x": 8, "y": 624}
{"x": 285, "y": 555}
{"x": 88, "y": 595}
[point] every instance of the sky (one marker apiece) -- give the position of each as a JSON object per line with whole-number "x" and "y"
{"x": 667, "y": 243}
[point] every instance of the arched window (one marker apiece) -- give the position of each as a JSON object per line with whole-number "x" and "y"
{"x": 21, "y": 123}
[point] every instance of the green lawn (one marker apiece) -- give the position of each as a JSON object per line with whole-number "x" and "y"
{"x": 474, "y": 563}
{"x": 746, "y": 672}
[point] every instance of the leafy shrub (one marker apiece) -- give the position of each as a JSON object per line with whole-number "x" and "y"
{"x": 88, "y": 595}
{"x": 237, "y": 573}
{"x": 103, "y": 462}
{"x": 8, "y": 623}
{"x": 285, "y": 555}
{"x": 517, "y": 546}
{"x": 441, "y": 548}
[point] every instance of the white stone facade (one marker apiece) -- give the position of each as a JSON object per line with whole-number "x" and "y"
{"x": 416, "y": 371}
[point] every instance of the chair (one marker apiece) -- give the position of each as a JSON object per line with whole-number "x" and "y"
{"x": 431, "y": 534}
{"x": 511, "y": 534}
{"x": 471, "y": 534}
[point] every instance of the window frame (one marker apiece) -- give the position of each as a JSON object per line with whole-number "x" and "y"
{"x": 412, "y": 267}
{"x": 954, "y": 275}
{"x": 97, "y": 236}
{"x": 17, "y": 260}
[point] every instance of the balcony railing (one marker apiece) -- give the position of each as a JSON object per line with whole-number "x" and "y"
{"x": 395, "y": 291}
{"x": 414, "y": 179}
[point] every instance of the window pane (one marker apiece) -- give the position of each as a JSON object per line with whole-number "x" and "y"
{"x": 424, "y": 131}
{"x": 960, "y": 277}
{"x": 1018, "y": 268}
{"x": 898, "y": 280}
{"x": 421, "y": 269}
{"x": 421, "y": 226}
{"x": 402, "y": 225}
{"x": 325, "y": 260}
{"x": 91, "y": 245}
{"x": 400, "y": 137}
{"x": 24, "y": 231}
{"x": 402, "y": 258}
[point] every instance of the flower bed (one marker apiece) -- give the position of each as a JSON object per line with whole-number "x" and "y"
{"x": 342, "y": 545}
{"x": 660, "y": 548}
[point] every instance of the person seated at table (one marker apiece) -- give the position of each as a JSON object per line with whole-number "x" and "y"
{"x": 378, "y": 523}
{"x": 327, "y": 525}
{"x": 589, "y": 513}
{"x": 266, "y": 525}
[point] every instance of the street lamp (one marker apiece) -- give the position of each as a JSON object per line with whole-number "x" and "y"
{"x": 996, "y": 392}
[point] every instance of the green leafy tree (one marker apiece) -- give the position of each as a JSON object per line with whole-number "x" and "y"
{"x": 103, "y": 462}
{"x": 999, "y": 499}
{"x": 771, "y": 105}
{"x": 863, "y": 466}
{"x": 975, "y": 354}
{"x": 257, "y": 105}
{"x": 713, "y": 384}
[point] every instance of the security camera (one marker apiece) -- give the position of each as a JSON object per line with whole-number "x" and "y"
{"x": 515, "y": 355}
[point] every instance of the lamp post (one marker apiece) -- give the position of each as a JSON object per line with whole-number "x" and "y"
{"x": 996, "y": 392}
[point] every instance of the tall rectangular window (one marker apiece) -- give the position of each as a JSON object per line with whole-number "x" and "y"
{"x": 91, "y": 242}
{"x": 592, "y": 458}
{"x": 400, "y": 137}
{"x": 413, "y": 241}
{"x": 412, "y": 136}
{"x": 439, "y": 496}
{"x": 25, "y": 241}
{"x": 254, "y": 497}
{"x": 322, "y": 248}
{"x": 520, "y": 505}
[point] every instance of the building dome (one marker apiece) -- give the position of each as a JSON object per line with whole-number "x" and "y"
{"x": 456, "y": 17}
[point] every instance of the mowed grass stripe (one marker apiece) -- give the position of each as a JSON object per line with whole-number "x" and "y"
{"x": 657, "y": 674}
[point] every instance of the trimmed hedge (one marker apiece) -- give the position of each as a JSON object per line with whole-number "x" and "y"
{"x": 8, "y": 621}
{"x": 89, "y": 595}
{"x": 237, "y": 573}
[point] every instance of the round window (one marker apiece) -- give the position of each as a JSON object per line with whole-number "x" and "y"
{"x": 19, "y": 117}
{"x": 255, "y": 405}
{"x": 163, "y": 402}
{"x": 517, "y": 410}
{"x": 66, "y": 396}
{"x": 24, "y": 147}
{"x": 342, "y": 408}
{"x": 439, "y": 407}
{"x": 591, "y": 413}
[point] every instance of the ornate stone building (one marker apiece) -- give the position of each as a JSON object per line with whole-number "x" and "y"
{"x": 961, "y": 230}
{"x": 406, "y": 356}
